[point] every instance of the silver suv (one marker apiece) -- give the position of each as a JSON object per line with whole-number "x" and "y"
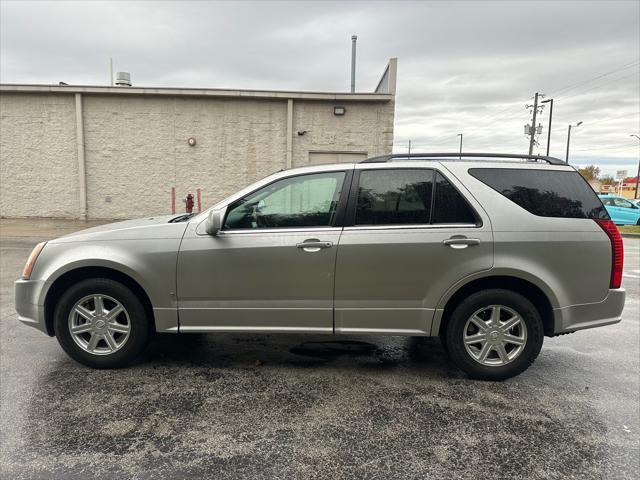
{"x": 490, "y": 252}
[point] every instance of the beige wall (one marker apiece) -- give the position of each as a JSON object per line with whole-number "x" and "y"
{"x": 365, "y": 127}
{"x": 136, "y": 148}
{"x": 38, "y": 163}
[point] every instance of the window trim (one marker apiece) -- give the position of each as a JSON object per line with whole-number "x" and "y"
{"x": 337, "y": 219}
{"x": 350, "y": 217}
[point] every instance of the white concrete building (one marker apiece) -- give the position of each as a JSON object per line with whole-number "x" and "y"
{"x": 119, "y": 152}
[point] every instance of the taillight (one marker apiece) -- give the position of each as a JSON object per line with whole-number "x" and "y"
{"x": 617, "y": 251}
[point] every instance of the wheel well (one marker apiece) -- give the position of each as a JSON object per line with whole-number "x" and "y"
{"x": 62, "y": 283}
{"x": 523, "y": 287}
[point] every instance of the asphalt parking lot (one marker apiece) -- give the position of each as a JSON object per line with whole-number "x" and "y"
{"x": 296, "y": 406}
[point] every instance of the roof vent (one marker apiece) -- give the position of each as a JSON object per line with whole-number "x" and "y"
{"x": 123, "y": 79}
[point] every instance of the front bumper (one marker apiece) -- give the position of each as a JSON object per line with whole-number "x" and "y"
{"x": 590, "y": 315}
{"x": 27, "y": 302}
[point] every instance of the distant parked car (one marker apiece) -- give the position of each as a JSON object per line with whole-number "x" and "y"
{"x": 621, "y": 210}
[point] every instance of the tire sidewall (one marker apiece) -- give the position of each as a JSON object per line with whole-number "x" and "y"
{"x": 138, "y": 336}
{"x": 476, "y": 301}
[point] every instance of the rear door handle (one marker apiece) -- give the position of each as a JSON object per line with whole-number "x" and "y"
{"x": 313, "y": 245}
{"x": 461, "y": 242}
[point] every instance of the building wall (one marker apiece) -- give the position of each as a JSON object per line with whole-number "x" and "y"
{"x": 136, "y": 148}
{"x": 365, "y": 127}
{"x": 38, "y": 162}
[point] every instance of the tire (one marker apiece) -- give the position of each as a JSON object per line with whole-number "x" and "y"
{"x": 499, "y": 363}
{"x": 128, "y": 331}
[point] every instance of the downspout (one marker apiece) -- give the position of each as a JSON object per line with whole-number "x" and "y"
{"x": 82, "y": 180}
{"x": 289, "y": 162}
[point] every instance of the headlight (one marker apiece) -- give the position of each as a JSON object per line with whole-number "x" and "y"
{"x": 26, "y": 273}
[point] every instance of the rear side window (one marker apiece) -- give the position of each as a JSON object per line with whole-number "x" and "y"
{"x": 544, "y": 193}
{"x": 409, "y": 197}
{"x": 449, "y": 205}
{"x": 394, "y": 197}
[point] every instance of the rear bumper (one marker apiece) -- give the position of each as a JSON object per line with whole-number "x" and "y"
{"x": 590, "y": 315}
{"x": 27, "y": 293}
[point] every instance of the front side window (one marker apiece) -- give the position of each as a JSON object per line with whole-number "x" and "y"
{"x": 622, "y": 203}
{"x": 394, "y": 197}
{"x": 294, "y": 202}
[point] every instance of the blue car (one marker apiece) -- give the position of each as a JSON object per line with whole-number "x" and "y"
{"x": 621, "y": 210}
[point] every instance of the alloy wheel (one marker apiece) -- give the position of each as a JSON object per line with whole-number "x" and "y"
{"x": 495, "y": 335}
{"x": 99, "y": 324}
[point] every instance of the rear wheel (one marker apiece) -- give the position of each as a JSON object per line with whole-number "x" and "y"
{"x": 101, "y": 323}
{"x": 494, "y": 334}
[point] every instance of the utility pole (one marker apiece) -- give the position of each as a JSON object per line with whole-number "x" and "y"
{"x": 111, "y": 71}
{"x": 569, "y": 139}
{"x": 550, "y": 102}
{"x": 409, "y": 147}
{"x": 460, "y": 135}
{"x": 638, "y": 174}
{"x": 532, "y": 131}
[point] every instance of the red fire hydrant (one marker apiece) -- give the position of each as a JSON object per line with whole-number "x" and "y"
{"x": 189, "y": 203}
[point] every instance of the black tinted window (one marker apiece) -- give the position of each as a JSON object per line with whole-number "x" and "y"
{"x": 543, "y": 192}
{"x": 449, "y": 205}
{"x": 394, "y": 197}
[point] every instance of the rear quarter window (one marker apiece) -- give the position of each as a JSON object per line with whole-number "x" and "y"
{"x": 545, "y": 193}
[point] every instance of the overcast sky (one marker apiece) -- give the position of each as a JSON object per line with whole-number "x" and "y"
{"x": 463, "y": 67}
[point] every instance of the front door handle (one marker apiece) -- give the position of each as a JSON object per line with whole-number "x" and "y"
{"x": 313, "y": 245}
{"x": 461, "y": 242}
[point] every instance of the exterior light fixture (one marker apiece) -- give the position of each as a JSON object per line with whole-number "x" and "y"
{"x": 339, "y": 110}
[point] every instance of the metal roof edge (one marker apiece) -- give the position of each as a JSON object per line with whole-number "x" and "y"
{"x": 196, "y": 92}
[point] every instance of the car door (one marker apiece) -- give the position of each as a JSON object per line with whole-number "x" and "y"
{"x": 271, "y": 267}
{"x": 612, "y": 210}
{"x": 409, "y": 235}
{"x": 626, "y": 212}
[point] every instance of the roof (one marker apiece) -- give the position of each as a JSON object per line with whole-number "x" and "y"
{"x": 198, "y": 92}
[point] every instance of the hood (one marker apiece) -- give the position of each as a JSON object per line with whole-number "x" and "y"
{"x": 138, "y": 229}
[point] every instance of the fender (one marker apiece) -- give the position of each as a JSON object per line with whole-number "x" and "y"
{"x": 151, "y": 264}
{"x": 486, "y": 274}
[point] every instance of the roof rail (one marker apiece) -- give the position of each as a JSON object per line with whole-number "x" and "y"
{"x": 460, "y": 156}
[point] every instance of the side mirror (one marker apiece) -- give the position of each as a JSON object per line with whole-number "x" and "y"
{"x": 214, "y": 222}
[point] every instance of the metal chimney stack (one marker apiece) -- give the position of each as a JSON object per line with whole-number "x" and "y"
{"x": 354, "y": 39}
{"x": 123, "y": 79}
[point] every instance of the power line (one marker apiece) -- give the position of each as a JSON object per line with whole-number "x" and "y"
{"x": 593, "y": 123}
{"x": 583, "y": 82}
{"x": 610, "y": 147}
{"x": 595, "y": 87}
{"x": 492, "y": 119}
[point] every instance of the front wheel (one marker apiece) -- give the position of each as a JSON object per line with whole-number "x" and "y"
{"x": 494, "y": 334}
{"x": 101, "y": 323}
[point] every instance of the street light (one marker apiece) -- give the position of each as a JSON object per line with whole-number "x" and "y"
{"x": 569, "y": 139}
{"x": 550, "y": 102}
{"x": 638, "y": 174}
{"x": 460, "y": 135}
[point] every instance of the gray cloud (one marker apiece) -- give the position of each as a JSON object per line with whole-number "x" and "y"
{"x": 463, "y": 66}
